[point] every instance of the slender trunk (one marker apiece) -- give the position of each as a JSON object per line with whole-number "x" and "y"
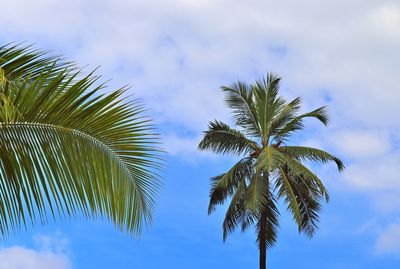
{"x": 263, "y": 228}
{"x": 262, "y": 243}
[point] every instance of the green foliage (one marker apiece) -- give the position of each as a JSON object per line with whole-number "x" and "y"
{"x": 269, "y": 169}
{"x": 69, "y": 149}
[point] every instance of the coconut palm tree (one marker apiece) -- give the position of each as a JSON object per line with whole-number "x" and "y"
{"x": 269, "y": 168}
{"x": 68, "y": 148}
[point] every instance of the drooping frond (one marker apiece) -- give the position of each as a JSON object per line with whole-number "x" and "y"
{"x": 221, "y": 138}
{"x": 225, "y": 185}
{"x": 299, "y": 170}
{"x": 68, "y": 148}
{"x": 273, "y": 159}
{"x": 236, "y": 211}
{"x": 287, "y": 190}
{"x": 303, "y": 198}
{"x": 311, "y": 154}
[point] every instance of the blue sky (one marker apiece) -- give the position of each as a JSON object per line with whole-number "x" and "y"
{"x": 175, "y": 54}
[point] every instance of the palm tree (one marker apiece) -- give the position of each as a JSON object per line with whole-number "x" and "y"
{"x": 269, "y": 168}
{"x": 69, "y": 149}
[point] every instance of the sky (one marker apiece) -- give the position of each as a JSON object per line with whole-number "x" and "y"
{"x": 175, "y": 55}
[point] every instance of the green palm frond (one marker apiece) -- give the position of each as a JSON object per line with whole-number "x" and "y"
{"x": 220, "y": 138}
{"x": 303, "y": 199}
{"x": 18, "y": 61}
{"x": 267, "y": 103}
{"x": 67, "y": 149}
{"x": 319, "y": 113}
{"x": 312, "y": 154}
{"x": 256, "y": 195}
{"x": 269, "y": 160}
{"x": 225, "y": 185}
{"x": 287, "y": 190}
{"x": 299, "y": 170}
{"x": 284, "y": 115}
{"x": 239, "y": 98}
{"x": 309, "y": 200}
{"x": 296, "y": 124}
{"x": 236, "y": 211}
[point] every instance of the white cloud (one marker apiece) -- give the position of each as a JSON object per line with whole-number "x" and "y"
{"x": 361, "y": 143}
{"x": 388, "y": 19}
{"x": 50, "y": 254}
{"x": 374, "y": 174}
{"x": 188, "y": 48}
{"x": 23, "y": 258}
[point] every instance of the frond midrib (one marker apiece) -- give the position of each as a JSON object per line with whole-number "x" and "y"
{"x": 79, "y": 133}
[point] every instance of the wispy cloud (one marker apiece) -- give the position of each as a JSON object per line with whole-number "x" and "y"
{"x": 389, "y": 240}
{"x": 51, "y": 253}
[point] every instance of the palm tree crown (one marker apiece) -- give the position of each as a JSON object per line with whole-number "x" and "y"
{"x": 269, "y": 168}
{"x": 67, "y": 149}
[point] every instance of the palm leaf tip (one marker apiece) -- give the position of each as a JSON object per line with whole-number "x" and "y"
{"x": 321, "y": 114}
{"x": 339, "y": 163}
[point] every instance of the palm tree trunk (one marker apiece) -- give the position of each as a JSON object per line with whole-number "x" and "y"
{"x": 262, "y": 243}
{"x": 263, "y": 228}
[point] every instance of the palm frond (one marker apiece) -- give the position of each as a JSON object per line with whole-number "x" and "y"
{"x": 296, "y": 123}
{"x": 299, "y": 170}
{"x": 19, "y": 61}
{"x": 307, "y": 203}
{"x": 269, "y": 160}
{"x": 287, "y": 190}
{"x": 286, "y": 114}
{"x": 312, "y": 154}
{"x": 71, "y": 149}
{"x": 235, "y": 212}
{"x": 256, "y": 194}
{"x": 319, "y": 113}
{"x": 267, "y": 103}
{"x": 221, "y": 138}
{"x": 225, "y": 185}
{"x": 239, "y": 97}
